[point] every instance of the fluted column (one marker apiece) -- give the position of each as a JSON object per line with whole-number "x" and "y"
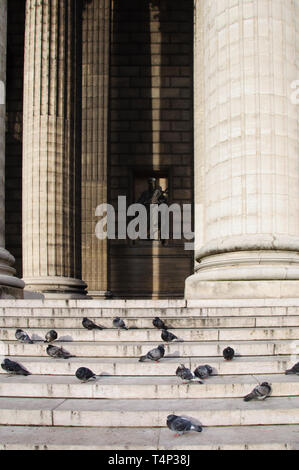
{"x": 52, "y": 148}
{"x": 95, "y": 94}
{"x": 246, "y": 149}
{"x": 10, "y": 286}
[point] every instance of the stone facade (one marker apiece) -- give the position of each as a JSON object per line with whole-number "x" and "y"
{"x": 112, "y": 95}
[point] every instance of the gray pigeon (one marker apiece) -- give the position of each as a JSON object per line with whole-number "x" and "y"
{"x": 119, "y": 323}
{"x": 59, "y": 353}
{"x": 23, "y": 337}
{"x": 181, "y": 425}
{"x": 14, "y": 368}
{"x": 168, "y": 337}
{"x": 154, "y": 355}
{"x": 84, "y": 374}
{"x": 228, "y": 353}
{"x": 293, "y": 370}
{"x": 185, "y": 374}
{"x": 51, "y": 336}
{"x": 90, "y": 325}
{"x": 158, "y": 323}
{"x": 261, "y": 392}
{"x": 203, "y": 372}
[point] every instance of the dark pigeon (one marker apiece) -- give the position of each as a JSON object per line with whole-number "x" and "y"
{"x": 293, "y": 370}
{"x": 228, "y": 354}
{"x": 51, "y": 336}
{"x": 154, "y": 355}
{"x": 23, "y": 337}
{"x": 119, "y": 323}
{"x": 158, "y": 323}
{"x": 261, "y": 392}
{"x": 90, "y": 325}
{"x": 185, "y": 374}
{"x": 14, "y": 368}
{"x": 203, "y": 372}
{"x": 181, "y": 425}
{"x": 167, "y": 336}
{"x": 59, "y": 353}
{"x": 84, "y": 374}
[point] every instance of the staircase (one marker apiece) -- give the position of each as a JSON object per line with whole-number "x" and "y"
{"x": 126, "y": 408}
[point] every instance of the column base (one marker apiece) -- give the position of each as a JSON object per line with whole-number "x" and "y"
{"x": 245, "y": 274}
{"x": 10, "y": 286}
{"x": 55, "y": 287}
{"x": 7, "y": 292}
{"x": 197, "y": 289}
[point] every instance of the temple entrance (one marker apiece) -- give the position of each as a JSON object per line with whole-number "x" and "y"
{"x": 151, "y": 135}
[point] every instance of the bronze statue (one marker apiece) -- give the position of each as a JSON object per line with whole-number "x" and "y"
{"x": 153, "y": 195}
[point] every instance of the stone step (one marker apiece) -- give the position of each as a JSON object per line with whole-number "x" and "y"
{"x": 212, "y": 438}
{"x": 134, "y": 349}
{"x": 139, "y": 312}
{"x": 148, "y": 303}
{"x": 154, "y": 335}
{"x": 116, "y": 388}
{"x": 147, "y": 412}
{"x": 173, "y": 322}
{"x": 130, "y": 366}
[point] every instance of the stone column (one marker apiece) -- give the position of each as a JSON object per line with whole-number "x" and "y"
{"x": 95, "y": 95}
{"x": 246, "y": 149}
{"x": 10, "y": 286}
{"x": 52, "y": 148}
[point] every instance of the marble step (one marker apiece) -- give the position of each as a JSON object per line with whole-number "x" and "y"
{"x": 135, "y": 349}
{"x": 152, "y": 304}
{"x": 140, "y": 312}
{"x": 130, "y": 366}
{"x": 116, "y": 388}
{"x": 143, "y": 322}
{"x": 154, "y": 335}
{"x": 147, "y": 412}
{"x": 211, "y": 438}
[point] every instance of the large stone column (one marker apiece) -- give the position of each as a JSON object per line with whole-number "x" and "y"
{"x": 246, "y": 149}
{"x": 95, "y": 95}
{"x": 10, "y": 286}
{"x": 52, "y": 148}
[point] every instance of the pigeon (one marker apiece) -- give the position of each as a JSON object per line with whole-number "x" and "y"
{"x": 23, "y": 337}
{"x": 119, "y": 323}
{"x": 203, "y": 372}
{"x": 154, "y": 355}
{"x": 168, "y": 336}
{"x": 261, "y": 392}
{"x": 51, "y": 336}
{"x": 228, "y": 354}
{"x": 293, "y": 370}
{"x": 185, "y": 374}
{"x": 56, "y": 352}
{"x": 84, "y": 374}
{"x": 14, "y": 368}
{"x": 158, "y": 323}
{"x": 90, "y": 325}
{"x": 181, "y": 425}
